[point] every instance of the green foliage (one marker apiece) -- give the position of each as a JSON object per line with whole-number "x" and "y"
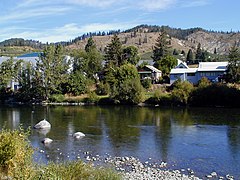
{"x": 16, "y": 162}
{"x": 190, "y": 56}
{"x": 51, "y": 69}
{"x": 130, "y": 55}
{"x": 199, "y": 52}
{"x": 113, "y": 54}
{"x": 160, "y": 98}
{"x": 57, "y": 98}
{"x": 162, "y": 46}
{"x": 15, "y": 153}
{"x": 175, "y": 52}
{"x": 89, "y": 61}
{"x": 204, "y": 82}
{"x": 144, "y": 63}
{"x": 77, "y": 83}
{"x": 90, "y": 45}
{"x": 75, "y": 170}
{"x": 126, "y": 86}
{"x": 103, "y": 88}
{"x": 216, "y": 95}
{"x": 92, "y": 98}
{"x": 129, "y": 92}
{"x": 9, "y": 70}
{"x": 146, "y": 83}
{"x": 233, "y": 71}
{"x": 181, "y": 92}
{"x": 165, "y": 64}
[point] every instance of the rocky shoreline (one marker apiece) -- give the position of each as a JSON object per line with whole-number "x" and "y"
{"x": 131, "y": 168}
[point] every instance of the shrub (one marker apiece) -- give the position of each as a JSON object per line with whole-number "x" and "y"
{"x": 216, "y": 95}
{"x": 129, "y": 92}
{"x": 92, "y": 98}
{"x": 146, "y": 83}
{"x": 181, "y": 92}
{"x": 75, "y": 170}
{"x": 103, "y": 89}
{"x": 161, "y": 98}
{"x": 204, "y": 82}
{"x": 15, "y": 154}
{"x": 57, "y": 98}
{"x": 127, "y": 88}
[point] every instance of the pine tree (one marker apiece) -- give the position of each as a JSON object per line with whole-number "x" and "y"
{"x": 233, "y": 71}
{"x": 113, "y": 54}
{"x": 199, "y": 53}
{"x": 161, "y": 47}
{"x": 190, "y": 56}
{"x": 90, "y": 45}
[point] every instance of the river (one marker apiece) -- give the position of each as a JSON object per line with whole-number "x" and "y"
{"x": 203, "y": 139}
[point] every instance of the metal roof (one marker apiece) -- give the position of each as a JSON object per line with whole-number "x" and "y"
{"x": 153, "y": 69}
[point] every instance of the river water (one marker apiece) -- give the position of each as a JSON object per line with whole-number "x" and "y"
{"x": 203, "y": 139}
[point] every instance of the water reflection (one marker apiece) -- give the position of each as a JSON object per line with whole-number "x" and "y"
{"x": 198, "y": 138}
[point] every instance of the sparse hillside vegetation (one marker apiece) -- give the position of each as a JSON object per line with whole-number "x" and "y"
{"x": 144, "y": 38}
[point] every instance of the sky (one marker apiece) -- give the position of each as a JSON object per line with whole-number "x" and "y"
{"x": 63, "y": 20}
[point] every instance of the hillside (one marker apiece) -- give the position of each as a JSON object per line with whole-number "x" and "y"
{"x": 143, "y": 37}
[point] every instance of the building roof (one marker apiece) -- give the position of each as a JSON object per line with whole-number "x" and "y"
{"x": 212, "y": 65}
{"x": 153, "y": 69}
{"x": 203, "y": 67}
{"x": 182, "y": 70}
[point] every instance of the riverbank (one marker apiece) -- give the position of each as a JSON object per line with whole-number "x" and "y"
{"x": 131, "y": 168}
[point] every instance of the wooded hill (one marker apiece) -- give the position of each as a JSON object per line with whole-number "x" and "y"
{"x": 144, "y": 38}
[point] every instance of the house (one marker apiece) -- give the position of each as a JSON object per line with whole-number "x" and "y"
{"x": 150, "y": 72}
{"x": 211, "y": 70}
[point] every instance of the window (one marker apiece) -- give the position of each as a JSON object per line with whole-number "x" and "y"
{"x": 190, "y": 74}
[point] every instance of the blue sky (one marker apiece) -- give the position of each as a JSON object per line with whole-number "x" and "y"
{"x": 62, "y": 20}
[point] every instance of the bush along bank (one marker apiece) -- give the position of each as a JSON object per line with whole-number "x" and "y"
{"x": 16, "y": 162}
{"x": 204, "y": 95}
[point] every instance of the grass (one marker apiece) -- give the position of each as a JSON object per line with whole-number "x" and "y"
{"x": 16, "y": 162}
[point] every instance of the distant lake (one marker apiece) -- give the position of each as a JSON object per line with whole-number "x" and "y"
{"x": 34, "y": 54}
{"x": 204, "y": 140}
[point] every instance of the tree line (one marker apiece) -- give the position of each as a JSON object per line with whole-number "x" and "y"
{"x": 113, "y": 73}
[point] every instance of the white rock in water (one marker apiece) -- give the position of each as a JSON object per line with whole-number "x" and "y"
{"x": 42, "y": 125}
{"x": 47, "y": 141}
{"x": 78, "y": 135}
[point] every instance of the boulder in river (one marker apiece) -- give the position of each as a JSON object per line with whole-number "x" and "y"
{"x": 44, "y": 124}
{"x": 78, "y": 135}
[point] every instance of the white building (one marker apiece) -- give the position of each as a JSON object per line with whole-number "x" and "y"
{"x": 211, "y": 70}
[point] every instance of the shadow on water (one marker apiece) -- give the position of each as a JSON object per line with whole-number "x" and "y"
{"x": 203, "y": 139}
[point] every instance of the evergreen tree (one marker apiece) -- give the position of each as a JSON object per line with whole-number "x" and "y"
{"x": 190, "y": 56}
{"x": 90, "y": 45}
{"x": 183, "y": 53}
{"x": 113, "y": 55}
{"x": 130, "y": 55}
{"x": 161, "y": 47}
{"x": 215, "y": 50}
{"x": 233, "y": 71}
{"x": 9, "y": 71}
{"x": 199, "y": 53}
{"x": 175, "y": 52}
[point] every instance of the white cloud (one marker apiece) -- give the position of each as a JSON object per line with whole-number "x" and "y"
{"x": 193, "y": 3}
{"x": 63, "y": 33}
{"x": 30, "y": 13}
{"x": 93, "y": 3}
{"x": 153, "y": 5}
